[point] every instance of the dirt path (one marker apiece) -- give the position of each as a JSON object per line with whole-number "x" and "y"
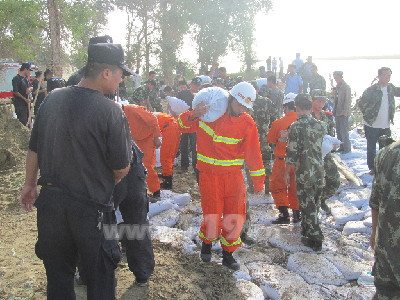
{"x": 177, "y": 276}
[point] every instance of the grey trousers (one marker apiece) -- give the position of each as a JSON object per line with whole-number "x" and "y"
{"x": 342, "y": 131}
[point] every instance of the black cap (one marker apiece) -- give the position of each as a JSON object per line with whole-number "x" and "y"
{"x": 38, "y": 73}
{"x": 111, "y": 54}
{"x": 26, "y": 66}
{"x": 101, "y": 39}
{"x": 48, "y": 71}
{"x": 197, "y": 81}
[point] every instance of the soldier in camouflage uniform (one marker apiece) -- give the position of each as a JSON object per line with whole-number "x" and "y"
{"x": 147, "y": 96}
{"x": 385, "y": 205}
{"x": 332, "y": 177}
{"x": 276, "y": 96}
{"x": 304, "y": 151}
{"x": 262, "y": 116}
{"x": 317, "y": 81}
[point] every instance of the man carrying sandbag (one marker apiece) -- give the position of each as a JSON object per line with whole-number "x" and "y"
{"x": 223, "y": 145}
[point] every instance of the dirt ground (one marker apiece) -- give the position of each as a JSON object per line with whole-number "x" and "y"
{"x": 176, "y": 276}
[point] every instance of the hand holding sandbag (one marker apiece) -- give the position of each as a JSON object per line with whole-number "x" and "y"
{"x": 216, "y": 100}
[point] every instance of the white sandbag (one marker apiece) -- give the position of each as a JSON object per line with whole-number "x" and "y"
{"x": 327, "y": 144}
{"x": 217, "y": 101}
{"x": 261, "y": 82}
{"x": 177, "y": 105}
{"x": 205, "y": 79}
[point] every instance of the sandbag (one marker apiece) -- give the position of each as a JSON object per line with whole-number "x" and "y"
{"x": 328, "y": 143}
{"x": 177, "y": 105}
{"x": 217, "y": 101}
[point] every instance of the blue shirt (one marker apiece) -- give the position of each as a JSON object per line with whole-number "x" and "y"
{"x": 298, "y": 62}
{"x": 292, "y": 83}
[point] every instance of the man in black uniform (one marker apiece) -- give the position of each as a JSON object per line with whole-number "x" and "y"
{"x": 81, "y": 144}
{"x": 41, "y": 93}
{"x": 131, "y": 196}
{"x": 21, "y": 91}
{"x": 188, "y": 140}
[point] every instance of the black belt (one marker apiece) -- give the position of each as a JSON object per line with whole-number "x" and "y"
{"x": 100, "y": 207}
{"x": 280, "y": 158}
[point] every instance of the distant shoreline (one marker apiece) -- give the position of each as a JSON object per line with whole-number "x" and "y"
{"x": 394, "y": 56}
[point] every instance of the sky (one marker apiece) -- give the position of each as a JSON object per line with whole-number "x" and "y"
{"x": 321, "y": 28}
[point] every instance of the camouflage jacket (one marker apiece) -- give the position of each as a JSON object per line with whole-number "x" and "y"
{"x": 142, "y": 93}
{"x": 329, "y": 121}
{"x": 262, "y": 116}
{"x": 370, "y": 102}
{"x": 276, "y": 96}
{"x": 317, "y": 82}
{"x": 385, "y": 197}
{"x": 304, "y": 149}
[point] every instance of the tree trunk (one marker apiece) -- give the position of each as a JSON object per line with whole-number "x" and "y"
{"x": 55, "y": 37}
{"x": 146, "y": 44}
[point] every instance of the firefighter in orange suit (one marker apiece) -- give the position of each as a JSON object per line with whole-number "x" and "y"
{"x": 284, "y": 196}
{"x": 171, "y": 137}
{"x": 146, "y": 133}
{"x": 222, "y": 148}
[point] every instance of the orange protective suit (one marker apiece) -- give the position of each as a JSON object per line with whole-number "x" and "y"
{"x": 144, "y": 129}
{"x": 282, "y": 194}
{"x": 222, "y": 148}
{"x": 171, "y": 137}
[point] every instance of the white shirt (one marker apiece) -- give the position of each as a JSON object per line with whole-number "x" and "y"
{"x": 382, "y": 120}
{"x": 137, "y": 80}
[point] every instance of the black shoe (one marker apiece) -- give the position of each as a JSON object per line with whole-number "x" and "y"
{"x": 141, "y": 282}
{"x": 325, "y": 207}
{"x": 296, "y": 216}
{"x": 167, "y": 182}
{"x": 283, "y": 216}
{"x": 315, "y": 245}
{"x": 205, "y": 253}
{"x": 229, "y": 261}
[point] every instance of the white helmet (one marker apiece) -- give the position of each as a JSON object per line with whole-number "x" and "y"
{"x": 244, "y": 93}
{"x": 289, "y": 98}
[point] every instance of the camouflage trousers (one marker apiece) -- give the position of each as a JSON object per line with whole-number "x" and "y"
{"x": 387, "y": 276}
{"x": 268, "y": 171}
{"x": 332, "y": 178}
{"x": 310, "y": 201}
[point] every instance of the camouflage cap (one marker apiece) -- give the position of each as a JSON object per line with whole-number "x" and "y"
{"x": 338, "y": 73}
{"x": 218, "y": 81}
{"x": 318, "y": 94}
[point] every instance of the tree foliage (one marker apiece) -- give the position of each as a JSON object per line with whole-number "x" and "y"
{"x": 155, "y": 30}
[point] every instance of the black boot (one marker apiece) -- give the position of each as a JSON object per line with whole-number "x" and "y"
{"x": 296, "y": 216}
{"x": 167, "y": 182}
{"x": 229, "y": 261}
{"x": 155, "y": 197}
{"x": 313, "y": 244}
{"x": 283, "y": 217}
{"x": 205, "y": 253}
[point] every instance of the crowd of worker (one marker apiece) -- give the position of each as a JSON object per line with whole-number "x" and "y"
{"x": 96, "y": 155}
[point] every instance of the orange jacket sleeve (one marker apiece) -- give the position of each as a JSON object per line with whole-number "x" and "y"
{"x": 273, "y": 134}
{"x": 185, "y": 125}
{"x": 253, "y": 158}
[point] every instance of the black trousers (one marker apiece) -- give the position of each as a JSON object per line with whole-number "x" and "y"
{"x": 188, "y": 144}
{"x": 68, "y": 228}
{"x": 22, "y": 113}
{"x": 131, "y": 193}
{"x": 372, "y": 135}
